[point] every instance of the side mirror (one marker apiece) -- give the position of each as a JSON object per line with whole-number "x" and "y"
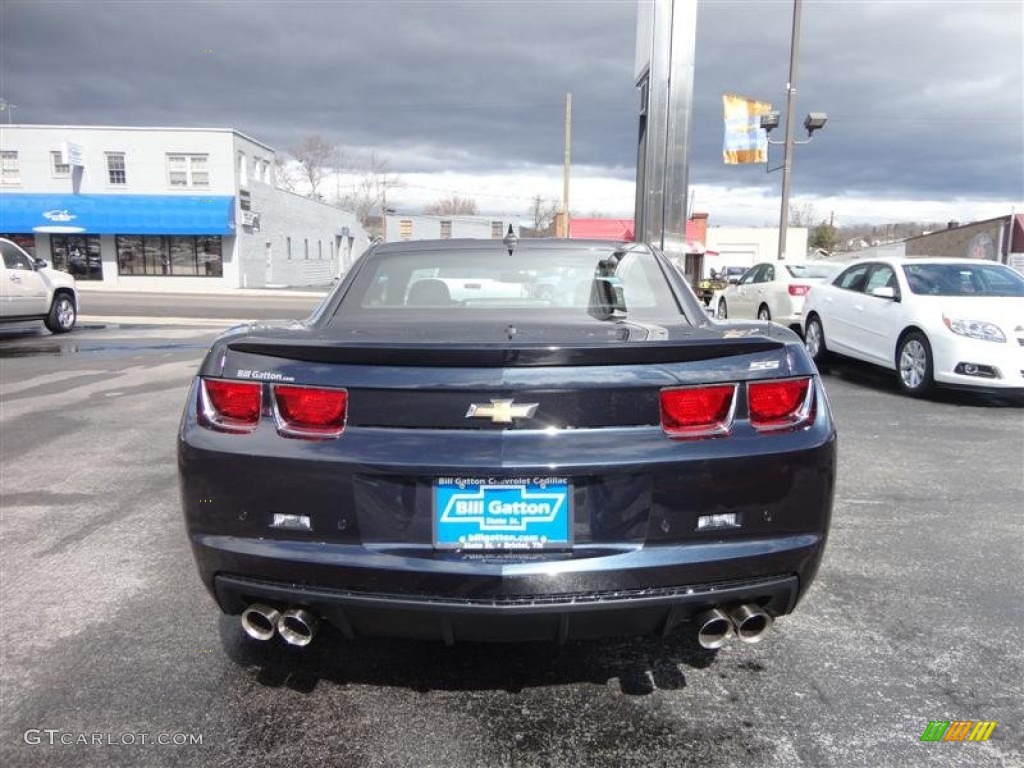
{"x": 734, "y": 280}
{"x": 884, "y": 292}
{"x": 41, "y": 263}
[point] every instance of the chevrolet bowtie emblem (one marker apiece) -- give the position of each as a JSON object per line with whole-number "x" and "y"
{"x": 502, "y": 411}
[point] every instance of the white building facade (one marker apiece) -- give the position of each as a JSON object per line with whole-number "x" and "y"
{"x": 427, "y": 227}
{"x": 167, "y": 208}
{"x": 746, "y": 246}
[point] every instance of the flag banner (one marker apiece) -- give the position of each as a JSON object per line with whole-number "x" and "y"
{"x": 745, "y": 140}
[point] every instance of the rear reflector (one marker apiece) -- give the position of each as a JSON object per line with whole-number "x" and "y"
{"x": 779, "y": 404}
{"x": 698, "y": 411}
{"x": 798, "y": 290}
{"x": 310, "y": 411}
{"x": 233, "y": 406}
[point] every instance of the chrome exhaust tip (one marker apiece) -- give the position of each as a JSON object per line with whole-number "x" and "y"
{"x": 297, "y": 626}
{"x": 752, "y": 622}
{"x": 260, "y": 621}
{"x": 714, "y": 629}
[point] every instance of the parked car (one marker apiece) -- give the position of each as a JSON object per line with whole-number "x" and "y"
{"x": 773, "y": 290}
{"x": 31, "y": 290}
{"x": 952, "y": 322}
{"x": 509, "y": 469}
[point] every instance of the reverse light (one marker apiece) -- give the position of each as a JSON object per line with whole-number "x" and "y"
{"x": 795, "y": 289}
{"x": 310, "y": 412}
{"x": 974, "y": 329}
{"x": 231, "y": 406}
{"x": 698, "y": 411}
{"x": 779, "y": 404}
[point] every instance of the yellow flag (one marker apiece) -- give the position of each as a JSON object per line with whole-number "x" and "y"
{"x": 745, "y": 140}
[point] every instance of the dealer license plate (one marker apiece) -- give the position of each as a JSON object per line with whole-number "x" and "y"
{"x": 497, "y": 513}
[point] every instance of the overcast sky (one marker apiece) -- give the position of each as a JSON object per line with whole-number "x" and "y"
{"x": 925, "y": 99}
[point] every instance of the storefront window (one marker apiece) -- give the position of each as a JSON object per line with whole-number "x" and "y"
{"x": 209, "y": 258}
{"x": 130, "y": 260}
{"x": 172, "y": 256}
{"x": 77, "y": 254}
{"x": 157, "y": 254}
{"x": 183, "y": 255}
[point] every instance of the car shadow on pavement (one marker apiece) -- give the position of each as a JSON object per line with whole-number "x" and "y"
{"x": 639, "y": 666}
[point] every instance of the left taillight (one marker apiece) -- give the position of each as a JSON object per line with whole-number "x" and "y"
{"x": 310, "y": 412}
{"x": 690, "y": 412}
{"x": 798, "y": 290}
{"x": 779, "y": 404}
{"x": 231, "y": 406}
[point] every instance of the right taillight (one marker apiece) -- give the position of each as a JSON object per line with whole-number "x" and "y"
{"x": 310, "y": 412}
{"x": 232, "y": 406}
{"x": 707, "y": 411}
{"x": 779, "y": 404}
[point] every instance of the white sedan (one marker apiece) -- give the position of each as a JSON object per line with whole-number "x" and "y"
{"x": 774, "y": 290}
{"x": 954, "y": 322}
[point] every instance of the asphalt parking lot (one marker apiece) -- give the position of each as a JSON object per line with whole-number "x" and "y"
{"x": 106, "y": 631}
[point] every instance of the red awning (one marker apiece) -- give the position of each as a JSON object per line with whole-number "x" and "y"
{"x": 601, "y": 229}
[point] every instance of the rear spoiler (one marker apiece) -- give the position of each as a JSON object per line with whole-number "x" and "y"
{"x": 505, "y": 355}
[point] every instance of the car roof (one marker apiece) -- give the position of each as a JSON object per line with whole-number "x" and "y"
{"x": 899, "y": 261}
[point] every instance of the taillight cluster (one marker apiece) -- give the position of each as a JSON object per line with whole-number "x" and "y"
{"x": 305, "y": 412}
{"x": 795, "y": 289}
{"x": 707, "y": 411}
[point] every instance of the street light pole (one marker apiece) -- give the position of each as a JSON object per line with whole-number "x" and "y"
{"x": 787, "y": 161}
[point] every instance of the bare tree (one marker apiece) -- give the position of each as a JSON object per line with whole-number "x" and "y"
{"x": 284, "y": 174}
{"x": 315, "y": 155}
{"x": 543, "y": 213}
{"x": 802, "y": 215}
{"x": 369, "y": 192}
{"x": 453, "y": 205}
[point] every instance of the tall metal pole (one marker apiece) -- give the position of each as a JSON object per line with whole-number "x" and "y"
{"x": 565, "y": 180}
{"x": 787, "y": 162}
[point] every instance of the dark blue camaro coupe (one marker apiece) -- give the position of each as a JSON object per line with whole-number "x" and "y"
{"x": 501, "y": 440}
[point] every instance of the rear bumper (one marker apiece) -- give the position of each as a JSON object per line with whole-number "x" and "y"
{"x": 557, "y": 618}
{"x": 593, "y": 592}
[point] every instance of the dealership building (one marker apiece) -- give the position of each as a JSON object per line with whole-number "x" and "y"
{"x": 168, "y": 208}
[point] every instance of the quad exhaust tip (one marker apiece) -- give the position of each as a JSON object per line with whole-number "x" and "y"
{"x": 297, "y": 626}
{"x": 752, "y": 623}
{"x": 260, "y": 621}
{"x": 714, "y": 629}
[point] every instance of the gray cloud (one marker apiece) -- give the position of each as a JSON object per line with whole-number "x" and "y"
{"x": 925, "y": 98}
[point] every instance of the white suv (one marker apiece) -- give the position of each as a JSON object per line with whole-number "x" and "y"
{"x": 31, "y": 290}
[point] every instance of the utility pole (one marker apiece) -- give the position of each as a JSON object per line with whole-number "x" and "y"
{"x": 787, "y": 162}
{"x": 565, "y": 180}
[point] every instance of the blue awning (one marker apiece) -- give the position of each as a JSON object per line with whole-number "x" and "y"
{"x": 117, "y": 214}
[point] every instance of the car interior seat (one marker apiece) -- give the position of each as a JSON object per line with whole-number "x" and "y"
{"x": 429, "y": 292}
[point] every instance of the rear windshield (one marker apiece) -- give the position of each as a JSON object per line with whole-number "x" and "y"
{"x": 603, "y": 283}
{"x": 811, "y": 271}
{"x": 963, "y": 280}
